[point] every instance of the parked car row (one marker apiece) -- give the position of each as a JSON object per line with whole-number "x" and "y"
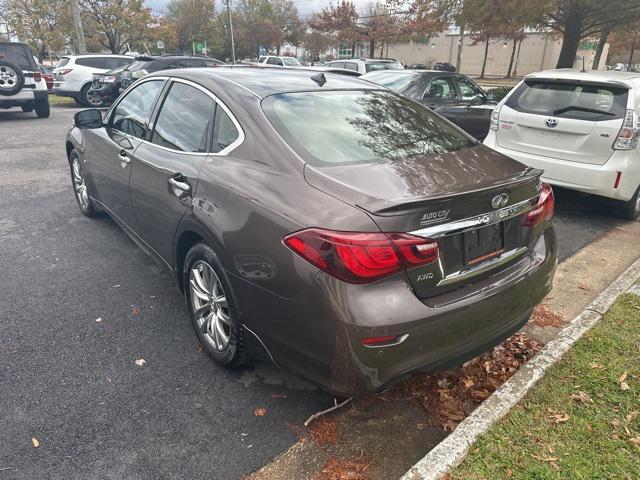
{"x": 107, "y": 86}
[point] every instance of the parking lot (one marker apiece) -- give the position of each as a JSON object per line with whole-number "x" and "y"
{"x": 81, "y": 303}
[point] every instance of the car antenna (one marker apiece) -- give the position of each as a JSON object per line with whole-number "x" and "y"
{"x": 319, "y": 78}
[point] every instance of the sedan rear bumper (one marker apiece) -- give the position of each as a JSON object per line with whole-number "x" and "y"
{"x": 325, "y": 345}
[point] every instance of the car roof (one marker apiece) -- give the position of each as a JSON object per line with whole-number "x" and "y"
{"x": 606, "y": 76}
{"x": 268, "y": 81}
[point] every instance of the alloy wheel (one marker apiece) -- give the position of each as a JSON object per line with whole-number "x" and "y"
{"x": 79, "y": 184}
{"x": 209, "y": 304}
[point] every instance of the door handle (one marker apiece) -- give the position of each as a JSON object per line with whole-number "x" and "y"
{"x": 179, "y": 187}
{"x": 124, "y": 158}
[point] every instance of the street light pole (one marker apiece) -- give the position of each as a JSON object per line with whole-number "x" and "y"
{"x": 77, "y": 22}
{"x": 233, "y": 45}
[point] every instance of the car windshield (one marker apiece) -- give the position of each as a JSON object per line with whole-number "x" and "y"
{"x": 342, "y": 127}
{"x": 568, "y": 99}
{"x": 18, "y": 54}
{"x": 392, "y": 79}
{"x": 373, "y": 66}
{"x": 291, "y": 61}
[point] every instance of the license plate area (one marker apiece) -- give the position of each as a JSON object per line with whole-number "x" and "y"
{"x": 483, "y": 244}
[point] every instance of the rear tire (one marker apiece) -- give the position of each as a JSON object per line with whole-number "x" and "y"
{"x": 213, "y": 308}
{"x": 88, "y": 100}
{"x": 42, "y": 108}
{"x": 631, "y": 209}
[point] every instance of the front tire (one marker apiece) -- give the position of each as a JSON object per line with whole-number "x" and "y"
{"x": 80, "y": 187}
{"x": 631, "y": 209}
{"x": 42, "y": 108}
{"x": 212, "y": 307}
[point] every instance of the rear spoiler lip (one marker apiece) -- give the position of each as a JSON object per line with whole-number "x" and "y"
{"x": 399, "y": 206}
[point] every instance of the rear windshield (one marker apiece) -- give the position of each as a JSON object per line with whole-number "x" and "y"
{"x": 593, "y": 102}
{"x": 373, "y": 66}
{"x": 18, "y": 54}
{"x": 62, "y": 62}
{"x": 139, "y": 65}
{"x": 342, "y": 127}
{"x": 393, "y": 80}
{"x": 291, "y": 62}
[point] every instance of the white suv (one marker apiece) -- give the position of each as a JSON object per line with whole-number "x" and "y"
{"x": 73, "y": 74}
{"x": 364, "y": 65}
{"x": 581, "y": 128}
{"x": 21, "y": 83}
{"x": 279, "y": 61}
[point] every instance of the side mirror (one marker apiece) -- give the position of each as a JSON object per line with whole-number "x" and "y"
{"x": 491, "y": 97}
{"x": 91, "y": 118}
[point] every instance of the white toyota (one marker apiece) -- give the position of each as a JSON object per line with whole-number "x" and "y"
{"x": 581, "y": 128}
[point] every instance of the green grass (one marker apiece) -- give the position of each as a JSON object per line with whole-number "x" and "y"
{"x": 56, "y": 101}
{"x": 597, "y": 439}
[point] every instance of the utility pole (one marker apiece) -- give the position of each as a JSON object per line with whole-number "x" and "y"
{"x": 233, "y": 45}
{"x": 77, "y": 22}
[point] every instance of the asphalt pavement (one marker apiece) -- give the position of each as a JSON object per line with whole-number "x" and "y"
{"x": 80, "y": 303}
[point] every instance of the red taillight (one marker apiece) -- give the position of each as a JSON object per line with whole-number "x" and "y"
{"x": 379, "y": 341}
{"x": 357, "y": 257}
{"x": 544, "y": 208}
{"x": 37, "y": 76}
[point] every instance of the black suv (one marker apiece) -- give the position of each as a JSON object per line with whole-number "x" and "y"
{"x": 21, "y": 82}
{"x": 106, "y": 87}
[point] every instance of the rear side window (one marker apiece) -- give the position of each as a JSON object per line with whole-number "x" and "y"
{"x": 106, "y": 63}
{"x": 184, "y": 120}
{"x": 441, "y": 89}
{"x": 351, "y": 66}
{"x": 274, "y": 61}
{"x": 342, "y": 127}
{"x": 581, "y": 101}
{"x": 224, "y": 131}
{"x": 18, "y": 54}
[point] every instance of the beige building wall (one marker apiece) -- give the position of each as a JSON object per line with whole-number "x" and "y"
{"x": 537, "y": 52}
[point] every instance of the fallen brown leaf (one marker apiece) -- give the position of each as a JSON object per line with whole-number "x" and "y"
{"x": 581, "y": 397}
{"x": 632, "y": 416}
{"x": 635, "y": 440}
{"x": 277, "y": 395}
{"x": 622, "y": 377}
{"x": 597, "y": 366}
{"x": 560, "y": 417}
{"x": 624, "y": 386}
{"x": 260, "y": 412}
{"x": 135, "y": 311}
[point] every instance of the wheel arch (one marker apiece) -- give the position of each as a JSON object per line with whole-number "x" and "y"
{"x": 68, "y": 147}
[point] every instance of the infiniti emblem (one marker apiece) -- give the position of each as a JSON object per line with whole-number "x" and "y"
{"x": 551, "y": 122}
{"x": 500, "y": 201}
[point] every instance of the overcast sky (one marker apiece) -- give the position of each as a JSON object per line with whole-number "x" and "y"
{"x": 305, "y": 7}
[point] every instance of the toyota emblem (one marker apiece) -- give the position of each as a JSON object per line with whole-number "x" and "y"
{"x": 551, "y": 122}
{"x": 500, "y": 201}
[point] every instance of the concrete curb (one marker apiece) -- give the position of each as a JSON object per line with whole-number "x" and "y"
{"x": 453, "y": 449}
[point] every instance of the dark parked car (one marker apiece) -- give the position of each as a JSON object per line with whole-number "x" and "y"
{"x": 106, "y": 87}
{"x": 444, "y": 67}
{"x": 453, "y": 96}
{"x": 336, "y": 228}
